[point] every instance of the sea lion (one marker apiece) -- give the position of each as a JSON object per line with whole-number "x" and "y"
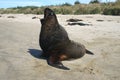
{"x": 55, "y": 43}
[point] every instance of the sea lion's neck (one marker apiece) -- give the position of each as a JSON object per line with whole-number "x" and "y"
{"x": 52, "y": 22}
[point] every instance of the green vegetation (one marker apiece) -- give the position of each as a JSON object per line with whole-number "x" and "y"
{"x": 94, "y": 7}
{"x": 112, "y": 9}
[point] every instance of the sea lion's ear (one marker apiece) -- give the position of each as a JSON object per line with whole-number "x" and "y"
{"x": 42, "y": 21}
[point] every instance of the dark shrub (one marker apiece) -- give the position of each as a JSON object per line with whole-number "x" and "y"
{"x": 77, "y": 2}
{"x": 111, "y": 11}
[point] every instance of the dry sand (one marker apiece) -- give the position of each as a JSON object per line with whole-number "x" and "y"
{"x": 20, "y": 51}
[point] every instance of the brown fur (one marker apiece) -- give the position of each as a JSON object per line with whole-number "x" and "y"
{"x": 55, "y": 43}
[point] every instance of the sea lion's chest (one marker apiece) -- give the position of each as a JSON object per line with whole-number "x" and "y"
{"x": 46, "y": 32}
{"x": 54, "y": 33}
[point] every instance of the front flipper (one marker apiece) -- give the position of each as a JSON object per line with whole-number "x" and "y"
{"x": 54, "y": 61}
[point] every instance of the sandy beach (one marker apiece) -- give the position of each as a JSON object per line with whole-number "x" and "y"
{"x": 20, "y": 51}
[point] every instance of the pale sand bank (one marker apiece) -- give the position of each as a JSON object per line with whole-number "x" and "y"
{"x": 19, "y": 39}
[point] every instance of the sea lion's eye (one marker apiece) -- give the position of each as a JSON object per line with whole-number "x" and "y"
{"x": 51, "y": 14}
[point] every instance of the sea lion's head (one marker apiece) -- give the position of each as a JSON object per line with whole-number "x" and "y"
{"x": 50, "y": 18}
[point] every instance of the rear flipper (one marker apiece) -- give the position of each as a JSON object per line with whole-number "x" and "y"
{"x": 89, "y": 52}
{"x": 52, "y": 61}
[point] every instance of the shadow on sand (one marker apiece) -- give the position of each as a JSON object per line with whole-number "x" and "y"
{"x": 36, "y": 53}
